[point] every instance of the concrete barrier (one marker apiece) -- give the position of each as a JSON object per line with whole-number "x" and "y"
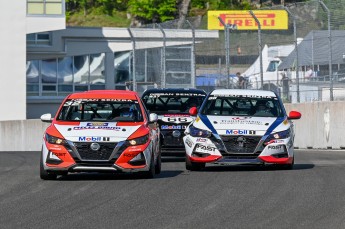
{"x": 24, "y": 135}
{"x": 322, "y": 126}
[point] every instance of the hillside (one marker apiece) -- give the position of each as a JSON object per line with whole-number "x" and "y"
{"x": 122, "y": 13}
{"x": 119, "y": 19}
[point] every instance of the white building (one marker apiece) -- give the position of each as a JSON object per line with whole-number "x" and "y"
{"x": 42, "y": 61}
{"x": 19, "y": 19}
{"x": 81, "y": 59}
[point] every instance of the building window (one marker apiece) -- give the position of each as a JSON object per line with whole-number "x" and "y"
{"x": 38, "y": 38}
{"x": 62, "y": 76}
{"x": 49, "y": 7}
{"x": 32, "y": 77}
{"x": 81, "y": 69}
{"x": 65, "y": 75}
{"x": 97, "y": 76}
{"x": 122, "y": 67}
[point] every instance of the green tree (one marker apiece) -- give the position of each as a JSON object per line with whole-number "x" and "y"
{"x": 110, "y": 5}
{"x": 337, "y": 9}
{"x": 148, "y": 11}
{"x": 223, "y": 4}
{"x": 103, "y": 6}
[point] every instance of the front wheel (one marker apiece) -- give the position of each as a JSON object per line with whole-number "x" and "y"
{"x": 44, "y": 175}
{"x": 192, "y": 166}
{"x": 151, "y": 173}
{"x": 158, "y": 166}
{"x": 288, "y": 166}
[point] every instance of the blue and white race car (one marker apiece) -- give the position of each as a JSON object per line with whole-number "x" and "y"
{"x": 240, "y": 127}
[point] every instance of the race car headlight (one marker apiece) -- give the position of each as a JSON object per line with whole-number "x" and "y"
{"x": 139, "y": 141}
{"x": 55, "y": 140}
{"x": 196, "y": 132}
{"x": 279, "y": 135}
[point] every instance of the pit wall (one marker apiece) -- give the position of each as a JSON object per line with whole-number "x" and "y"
{"x": 322, "y": 126}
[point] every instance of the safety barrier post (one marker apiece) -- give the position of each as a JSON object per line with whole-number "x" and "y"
{"x": 163, "y": 85}
{"x": 227, "y": 28}
{"x": 330, "y": 48}
{"x": 296, "y": 50}
{"x": 227, "y": 49}
{"x": 133, "y": 63}
{"x": 193, "y": 71}
{"x": 260, "y": 48}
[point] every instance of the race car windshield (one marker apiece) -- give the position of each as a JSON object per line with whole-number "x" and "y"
{"x": 240, "y": 106}
{"x": 162, "y": 103}
{"x": 106, "y": 110}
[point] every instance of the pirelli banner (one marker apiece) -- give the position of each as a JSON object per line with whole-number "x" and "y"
{"x": 269, "y": 19}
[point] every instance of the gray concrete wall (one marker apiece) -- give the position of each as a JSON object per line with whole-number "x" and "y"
{"x": 24, "y": 135}
{"x": 321, "y": 126}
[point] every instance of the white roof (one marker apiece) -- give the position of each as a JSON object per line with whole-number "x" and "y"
{"x": 280, "y": 50}
{"x": 244, "y": 92}
{"x": 268, "y": 54}
{"x": 254, "y": 69}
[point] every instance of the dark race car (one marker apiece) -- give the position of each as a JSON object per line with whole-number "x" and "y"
{"x": 172, "y": 107}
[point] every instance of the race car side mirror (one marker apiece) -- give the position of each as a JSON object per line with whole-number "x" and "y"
{"x": 47, "y": 118}
{"x": 193, "y": 111}
{"x": 153, "y": 118}
{"x": 294, "y": 115}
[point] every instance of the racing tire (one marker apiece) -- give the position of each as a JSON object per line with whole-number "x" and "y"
{"x": 151, "y": 173}
{"x": 192, "y": 166}
{"x": 288, "y": 166}
{"x": 158, "y": 166}
{"x": 44, "y": 175}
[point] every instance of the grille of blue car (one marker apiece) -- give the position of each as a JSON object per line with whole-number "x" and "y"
{"x": 236, "y": 144}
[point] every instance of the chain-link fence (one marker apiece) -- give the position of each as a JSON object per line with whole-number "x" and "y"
{"x": 163, "y": 56}
{"x": 305, "y": 62}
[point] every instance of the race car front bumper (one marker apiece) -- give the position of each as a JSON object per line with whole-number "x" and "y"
{"x": 204, "y": 150}
{"x": 78, "y": 158}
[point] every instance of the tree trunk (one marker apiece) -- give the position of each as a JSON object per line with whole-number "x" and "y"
{"x": 183, "y": 7}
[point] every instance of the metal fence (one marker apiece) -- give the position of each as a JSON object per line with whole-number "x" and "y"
{"x": 165, "y": 58}
{"x": 304, "y": 63}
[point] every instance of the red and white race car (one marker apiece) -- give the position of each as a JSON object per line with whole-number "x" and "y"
{"x": 101, "y": 131}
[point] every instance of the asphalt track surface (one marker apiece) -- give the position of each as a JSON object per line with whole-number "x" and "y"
{"x": 310, "y": 196}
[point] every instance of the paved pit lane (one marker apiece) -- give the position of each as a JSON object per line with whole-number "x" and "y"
{"x": 310, "y": 196}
